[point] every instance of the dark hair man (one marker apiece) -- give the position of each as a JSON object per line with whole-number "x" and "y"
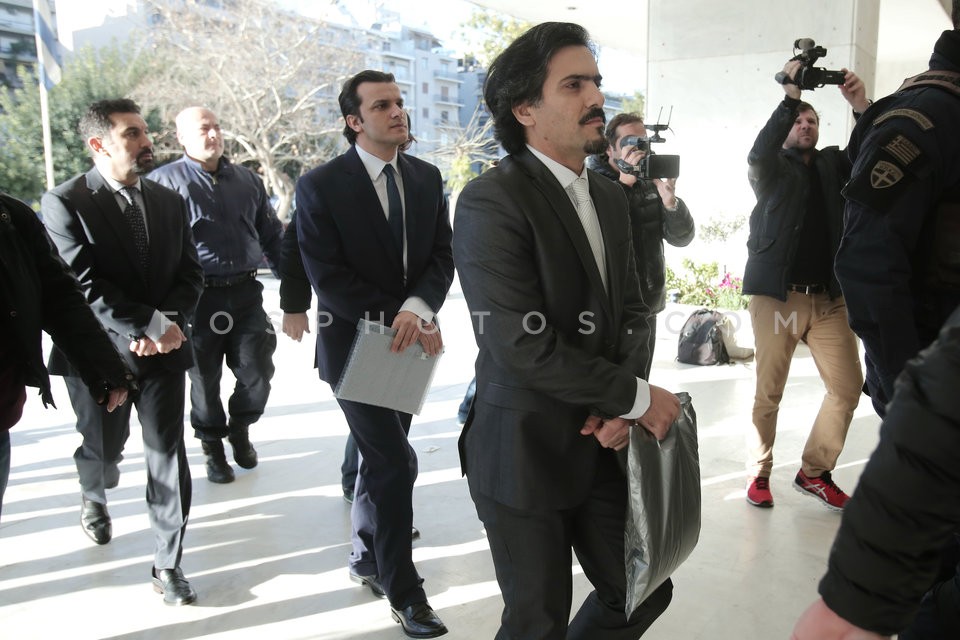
{"x": 899, "y": 266}
{"x": 234, "y": 226}
{"x": 375, "y": 241}
{"x": 656, "y": 213}
{"x": 128, "y": 240}
{"x": 38, "y": 292}
{"x": 548, "y": 271}
{"x": 794, "y": 232}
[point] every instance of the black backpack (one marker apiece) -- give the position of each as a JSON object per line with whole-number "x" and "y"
{"x": 701, "y": 341}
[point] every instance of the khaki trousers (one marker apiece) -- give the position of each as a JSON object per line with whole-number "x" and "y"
{"x": 778, "y": 327}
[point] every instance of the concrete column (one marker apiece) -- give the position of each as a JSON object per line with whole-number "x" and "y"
{"x": 715, "y": 62}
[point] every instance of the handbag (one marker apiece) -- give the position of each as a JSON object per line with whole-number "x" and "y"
{"x": 663, "y": 507}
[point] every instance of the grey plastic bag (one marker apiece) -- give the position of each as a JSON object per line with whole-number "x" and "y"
{"x": 663, "y": 512}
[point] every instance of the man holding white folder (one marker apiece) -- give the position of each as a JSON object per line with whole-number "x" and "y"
{"x": 375, "y": 240}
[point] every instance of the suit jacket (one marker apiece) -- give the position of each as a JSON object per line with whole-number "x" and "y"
{"x": 554, "y": 346}
{"x": 87, "y": 225}
{"x": 350, "y": 256}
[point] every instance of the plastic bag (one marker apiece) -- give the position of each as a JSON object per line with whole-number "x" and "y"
{"x": 663, "y": 512}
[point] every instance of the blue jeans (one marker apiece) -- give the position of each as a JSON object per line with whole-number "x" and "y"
{"x": 4, "y": 463}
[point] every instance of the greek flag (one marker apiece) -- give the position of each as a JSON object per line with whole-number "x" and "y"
{"x": 48, "y": 48}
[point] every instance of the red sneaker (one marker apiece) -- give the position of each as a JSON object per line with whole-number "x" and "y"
{"x": 758, "y": 492}
{"x": 822, "y": 488}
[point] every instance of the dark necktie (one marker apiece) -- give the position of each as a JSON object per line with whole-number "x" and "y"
{"x": 134, "y": 217}
{"x": 395, "y": 206}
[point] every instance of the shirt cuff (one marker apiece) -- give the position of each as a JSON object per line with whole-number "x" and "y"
{"x": 418, "y": 305}
{"x": 641, "y": 403}
{"x": 158, "y": 324}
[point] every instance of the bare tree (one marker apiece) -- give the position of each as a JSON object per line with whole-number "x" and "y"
{"x": 471, "y": 151}
{"x": 271, "y": 77}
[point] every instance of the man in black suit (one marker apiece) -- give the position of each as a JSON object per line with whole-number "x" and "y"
{"x": 546, "y": 262}
{"x": 128, "y": 240}
{"x": 375, "y": 241}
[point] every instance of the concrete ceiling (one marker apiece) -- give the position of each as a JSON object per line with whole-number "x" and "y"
{"x": 904, "y": 24}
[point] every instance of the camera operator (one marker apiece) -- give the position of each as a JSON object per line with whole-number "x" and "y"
{"x": 795, "y": 230}
{"x": 656, "y": 213}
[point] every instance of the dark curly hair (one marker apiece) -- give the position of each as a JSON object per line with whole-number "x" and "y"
{"x": 517, "y": 75}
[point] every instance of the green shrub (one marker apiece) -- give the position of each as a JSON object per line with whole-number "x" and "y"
{"x": 702, "y": 285}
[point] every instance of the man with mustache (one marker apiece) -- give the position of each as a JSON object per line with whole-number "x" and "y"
{"x": 128, "y": 240}
{"x": 234, "y": 227}
{"x": 794, "y": 234}
{"x": 543, "y": 249}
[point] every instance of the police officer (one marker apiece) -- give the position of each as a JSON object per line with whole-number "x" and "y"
{"x": 899, "y": 268}
{"x": 656, "y": 213}
{"x": 234, "y": 226}
{"x": 899, "y": 260}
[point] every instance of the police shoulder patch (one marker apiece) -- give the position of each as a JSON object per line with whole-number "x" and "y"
{"x": 886, "y": 168}
{"x": 920, "y": 119}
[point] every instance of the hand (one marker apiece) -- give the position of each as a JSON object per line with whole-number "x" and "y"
{"x": 295, "y": 325}
{"x": 411, "y": 328}
{"x": 171, "y": 340}
{"x": 819, "y": 622}
{"x": 854, "y": 91}
{"x": 116, "y": 398}
{"x": 632, "y": 158}
{"x": 663, "y": 410}
{"x": 612, "y": 434}
{"x": 144, "y": 347}
{"x": 792, "y": 68}
{"x": 430, "y": 339}
{"x": 667, "y": 187}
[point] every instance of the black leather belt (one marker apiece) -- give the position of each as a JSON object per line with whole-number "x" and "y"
{"x": 807, "y": 289}
{"x": 215, "y": 282}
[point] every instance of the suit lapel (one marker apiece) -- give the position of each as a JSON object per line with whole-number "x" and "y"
{"x": 369, "y": 209}
{"x": 560, "y": 202}
{"x": 105, "y": 200}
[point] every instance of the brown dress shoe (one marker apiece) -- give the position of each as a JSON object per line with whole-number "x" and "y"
{"x": 95, "y": 521}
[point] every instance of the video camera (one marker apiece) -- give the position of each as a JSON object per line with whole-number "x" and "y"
{"x": 810, "y": 77}
{"x": 652, "y": 165}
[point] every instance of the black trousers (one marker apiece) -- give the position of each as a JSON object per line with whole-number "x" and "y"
{"x": 160, "y": 408}
{"x": 382, "y": 512}
{"x": 230, "y": 325}
{"x": 532, "y": 557}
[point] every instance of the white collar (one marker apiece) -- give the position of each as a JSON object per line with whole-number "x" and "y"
{"x": 563, "y": 174}
{"x": 375, "y": 165}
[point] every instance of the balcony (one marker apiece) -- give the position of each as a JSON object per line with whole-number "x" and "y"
{"x": 452, "y": 76}
{"x": 452, "y": 100}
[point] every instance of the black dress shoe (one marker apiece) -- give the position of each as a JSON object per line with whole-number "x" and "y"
{"x": 419, "y": 621}
{"x": 174, "y": 587}
{"x": 415, "y": 534}
{"x": 95, "y": 521}
{"x": 371, "y": 581}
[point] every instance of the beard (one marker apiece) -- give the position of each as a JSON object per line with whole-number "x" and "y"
{"x": 598, "y": 144}
{"x": 144, "y": 164}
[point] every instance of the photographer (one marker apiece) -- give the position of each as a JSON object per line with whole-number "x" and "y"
{"x": 795, "y": 230}
{"x": 656, "y": 213}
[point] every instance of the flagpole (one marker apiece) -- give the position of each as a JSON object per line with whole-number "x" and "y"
{"x": 47, "y": 138}
{"x": 49, "y": 74}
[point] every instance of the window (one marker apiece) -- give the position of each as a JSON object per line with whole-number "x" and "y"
{"x": 426, "y": 112}
{"x": 444, "y": 116}
{"x": 445, "y": 92}
{"x": 426, "y": 87}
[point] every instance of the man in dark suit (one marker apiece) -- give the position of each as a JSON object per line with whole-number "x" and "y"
{"x": 128, "y": 240}
{"x": 375, "y": 240}
{"x": 543, "y": 250}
